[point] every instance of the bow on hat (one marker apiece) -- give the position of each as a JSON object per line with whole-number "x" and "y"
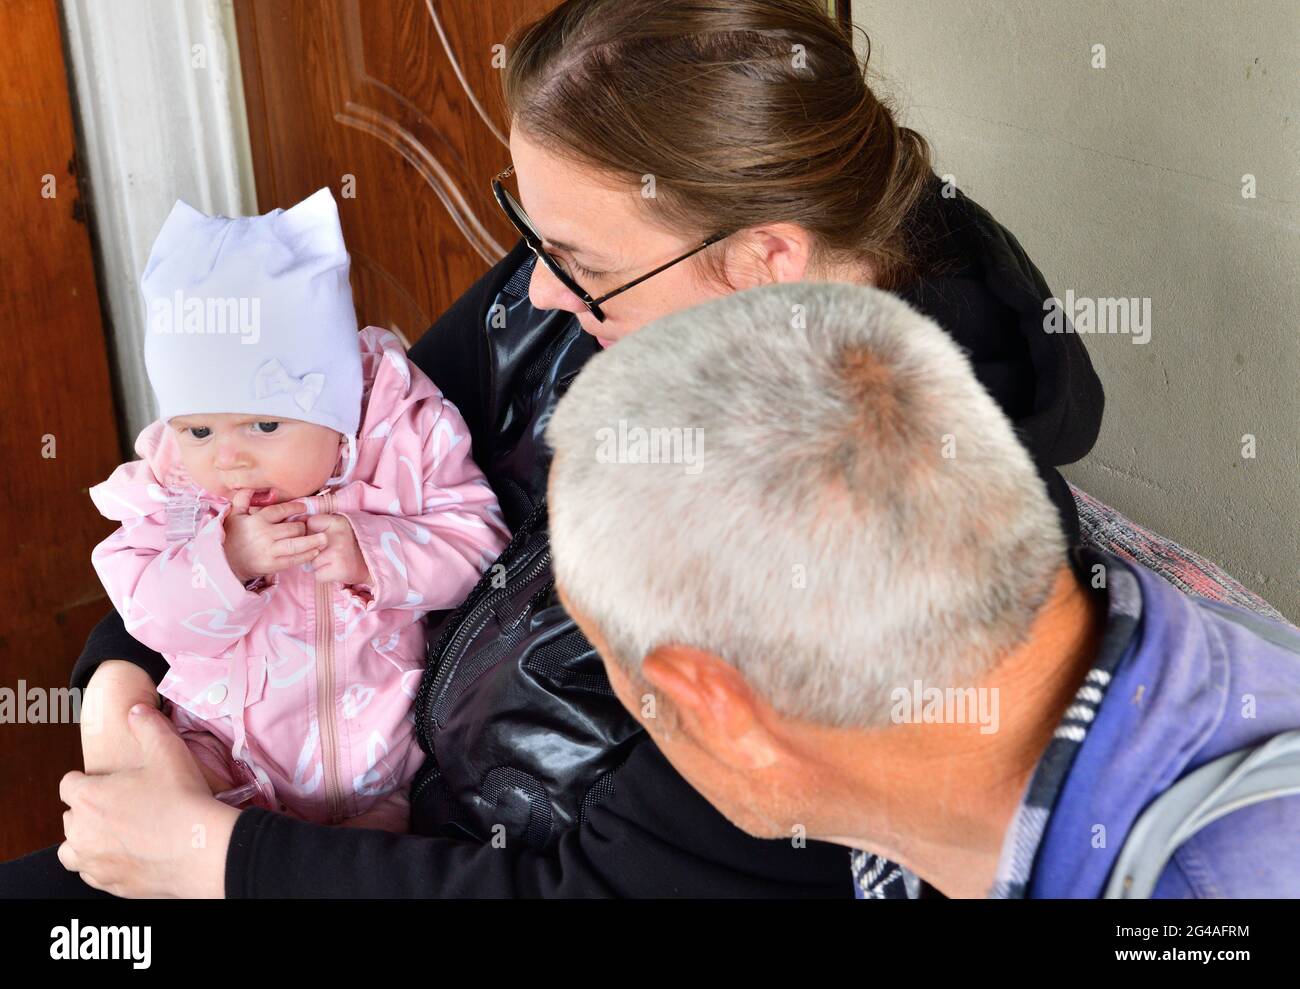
{"x": 272, "y": 379}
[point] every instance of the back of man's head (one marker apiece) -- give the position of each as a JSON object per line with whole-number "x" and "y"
{"x": 807, "y": 481}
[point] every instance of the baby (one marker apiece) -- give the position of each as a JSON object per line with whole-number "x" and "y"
{"x": 304, "y": 499}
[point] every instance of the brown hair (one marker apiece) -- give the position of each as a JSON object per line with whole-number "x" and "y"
{"x": 738, "y": 124}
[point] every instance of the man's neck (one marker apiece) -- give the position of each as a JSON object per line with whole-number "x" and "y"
{"x": 939, "y": 798}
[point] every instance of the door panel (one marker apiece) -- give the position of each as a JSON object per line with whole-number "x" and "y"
{"x": 58, "y": 434}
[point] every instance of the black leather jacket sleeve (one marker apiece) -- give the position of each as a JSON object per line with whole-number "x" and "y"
{"x": 454, "y": 350}
{"x": 653, "y": 836}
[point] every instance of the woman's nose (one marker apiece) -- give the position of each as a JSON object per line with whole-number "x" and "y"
{"x": 545, "y": 291}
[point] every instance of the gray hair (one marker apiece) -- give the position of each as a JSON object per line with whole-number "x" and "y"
{"x": 863, "y": 516}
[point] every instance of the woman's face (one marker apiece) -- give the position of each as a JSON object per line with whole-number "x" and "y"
{"x": 279, "y": 459}
{"x": 602, "y": 237}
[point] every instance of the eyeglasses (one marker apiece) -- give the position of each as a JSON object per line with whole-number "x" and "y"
{"x": 516, "y": 215}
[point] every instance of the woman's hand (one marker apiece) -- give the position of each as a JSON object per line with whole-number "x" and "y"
{"x": 107, "y": 743}
{"x": 259, "y": 542}
{"x": 150, "y": 831}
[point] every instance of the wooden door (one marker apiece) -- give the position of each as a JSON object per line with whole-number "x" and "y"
{"x": 58, "y": 434}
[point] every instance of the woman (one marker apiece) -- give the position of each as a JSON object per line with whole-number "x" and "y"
{"x": 665, "y": 152}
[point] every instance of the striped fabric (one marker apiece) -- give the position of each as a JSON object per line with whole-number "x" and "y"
{"x": 1108, "y": 530}
{"x": 875, "y": 878}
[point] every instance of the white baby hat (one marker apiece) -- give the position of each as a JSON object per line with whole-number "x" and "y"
{"x": 253, "y": 315}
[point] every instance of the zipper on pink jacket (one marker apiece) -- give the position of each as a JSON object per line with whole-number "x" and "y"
{"x": 325, "y": 690}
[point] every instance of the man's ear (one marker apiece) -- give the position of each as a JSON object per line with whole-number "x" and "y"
{"x": 714, "y": 705}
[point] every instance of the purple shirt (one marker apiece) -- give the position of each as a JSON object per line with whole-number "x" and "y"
{"x": 1195, "y": 680}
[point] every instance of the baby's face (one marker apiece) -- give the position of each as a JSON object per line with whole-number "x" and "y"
{"x": 279, "y": 459}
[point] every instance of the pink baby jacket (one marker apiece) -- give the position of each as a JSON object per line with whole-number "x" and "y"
{"x": 304, "y": 690}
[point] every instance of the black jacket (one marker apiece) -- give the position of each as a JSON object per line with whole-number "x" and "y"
{"x": 983, "y": 289}
{"x": 537, "y": 782}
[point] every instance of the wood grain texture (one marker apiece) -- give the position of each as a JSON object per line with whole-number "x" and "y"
{"x": 56, "y": 390}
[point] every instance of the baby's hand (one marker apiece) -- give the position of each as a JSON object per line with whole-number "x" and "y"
{"x": 260, "y": 542}
{"x": 341, "y": 558}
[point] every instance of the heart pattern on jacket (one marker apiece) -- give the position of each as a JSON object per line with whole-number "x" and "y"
{"x": 215, "y": 626}
{"x": 356, "y": 699}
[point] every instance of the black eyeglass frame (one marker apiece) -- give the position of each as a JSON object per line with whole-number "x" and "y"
{"x": 519, "y": 219}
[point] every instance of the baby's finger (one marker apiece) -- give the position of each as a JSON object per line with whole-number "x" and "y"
{"x": 323, "y": 523}
{"x": 280, "y": 512}
{"x": 299, "y": 544}
{"x": 239, "y": 503}
{"x": 287, "y": 530}
{"x": 296, "y": 561}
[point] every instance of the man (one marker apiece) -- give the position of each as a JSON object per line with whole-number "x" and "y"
{"x": 844, "y": 609}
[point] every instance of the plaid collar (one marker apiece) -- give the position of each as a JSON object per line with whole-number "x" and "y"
{"x": 1123, "y": 612}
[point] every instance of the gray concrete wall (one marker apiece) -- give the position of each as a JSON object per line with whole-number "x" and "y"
{"x": 1127, "y": 181}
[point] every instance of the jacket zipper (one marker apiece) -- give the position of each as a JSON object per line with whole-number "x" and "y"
{"x": 466, "y": 630}
{"x": 463, "y": 615}
{"x": 325, "y": 691}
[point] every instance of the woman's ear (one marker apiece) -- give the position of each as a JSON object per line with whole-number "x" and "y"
{"x": 774, "y": 253}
